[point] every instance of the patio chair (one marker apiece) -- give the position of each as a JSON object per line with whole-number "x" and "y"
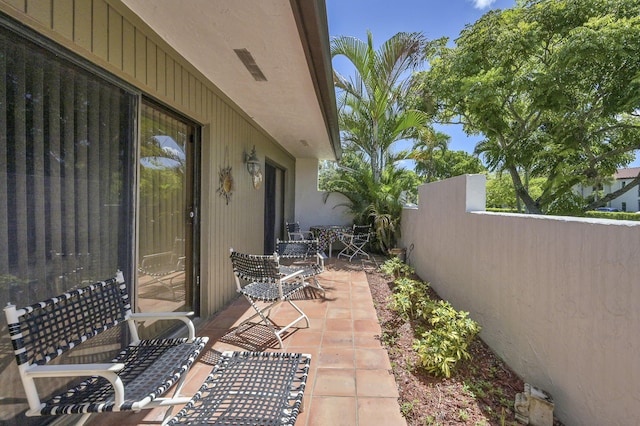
{"x": 355, "y": 241}
{"x": 294, "y": 232}
{"x": 266, "y": 287}
{"x": 305, "y": 255}
{"x": 166, "y": 268}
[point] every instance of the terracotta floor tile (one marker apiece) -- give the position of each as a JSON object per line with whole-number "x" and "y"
{"x": 376, "y": 383}
{"x": 315, "y": 310}
{"x": 333, "y": 411}
{"x": 367, "y": 326}
{"x": 364, "y": 313}
{"x": 335, "y": 382}
{"x": 337, "y": 338}
{"x": 338, "y": 324}
{"x": 372, "y": 359}
{"x": 367, "y": 340}
{"x": 304, "y": 338}
{"x": 336, "y": 358}
{"x": 333, "y": 313}
{"x": 379, "y": 411}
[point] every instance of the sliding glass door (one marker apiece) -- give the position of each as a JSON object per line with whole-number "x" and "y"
{"x": 166, "y": 212}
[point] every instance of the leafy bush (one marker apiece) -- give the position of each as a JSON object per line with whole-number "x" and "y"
{"x": 411, "y": 300}
{"x": 396, "y": 267}
{"x": 447, "y": 342}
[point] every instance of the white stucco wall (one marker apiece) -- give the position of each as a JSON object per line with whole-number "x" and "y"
{"x": 557, "y": 298}
{"x": 310, "y": 208}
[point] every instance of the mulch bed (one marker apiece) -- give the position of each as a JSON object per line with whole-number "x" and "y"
{"x": 480, "y": 392}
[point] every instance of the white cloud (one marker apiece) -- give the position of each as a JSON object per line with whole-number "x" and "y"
{"x": 482, "y": 4}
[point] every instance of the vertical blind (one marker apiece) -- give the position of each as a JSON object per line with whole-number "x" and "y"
{"x": 64, "y": 139}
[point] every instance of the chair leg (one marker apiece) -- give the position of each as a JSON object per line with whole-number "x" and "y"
{"x": 288, "y": 326}
{"x": 316, "y": 285}
{"x": 358, "y": 249}
{"x": 277, "y": 331}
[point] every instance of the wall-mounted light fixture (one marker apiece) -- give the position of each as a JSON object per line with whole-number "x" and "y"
{"x": 253, "y": 167}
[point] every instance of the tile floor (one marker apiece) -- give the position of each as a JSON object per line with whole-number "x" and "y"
{"x": 350, "y": 381}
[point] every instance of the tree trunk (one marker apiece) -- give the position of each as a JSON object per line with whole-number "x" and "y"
{"x": 522, "y": 193}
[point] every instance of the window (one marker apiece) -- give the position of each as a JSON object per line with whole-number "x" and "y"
{"x": 66, "y": 185}
{"x": 66, "y": 136}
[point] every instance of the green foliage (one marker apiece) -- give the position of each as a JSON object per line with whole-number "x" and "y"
{"x": 447, "y": 339}
{"x": 411, "y": 300}
{"x": 371, "y": 120}
{"x": 370, "y": 116}
{"x": 552, "y": 85}
{"x": 396, "y": 267}
{"x": 376, "y": 203}
{"x": 447, "y": 342}
{"x": 437, "y": 163}
{"x": 613, "y": 215}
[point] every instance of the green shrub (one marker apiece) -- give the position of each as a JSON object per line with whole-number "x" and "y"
{"x": 613, "y": 215}
{"x": 396, "y": 267}
{"x": 410, "y": 298}
{"x": 447, "y": 342}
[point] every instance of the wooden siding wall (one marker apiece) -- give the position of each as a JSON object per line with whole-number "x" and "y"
{"x": 107, "y": 34}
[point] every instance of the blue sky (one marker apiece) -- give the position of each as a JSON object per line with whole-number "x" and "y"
{"x": 434, "y": 18}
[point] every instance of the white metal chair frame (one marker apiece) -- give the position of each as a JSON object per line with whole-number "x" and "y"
{"x": 295, "y": 233}
{"x": 138, "y": 378}
{"x": 355, "y": 241}
{"x": 304, "y": 255}
{"x": 266, "y": 287}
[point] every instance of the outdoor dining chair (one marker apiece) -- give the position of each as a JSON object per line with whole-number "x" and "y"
{"x": 355, "y": 241}
{"x": 295, "y": 233}
{"x": 302, "y": 254}
{"x": 265, "y": 287}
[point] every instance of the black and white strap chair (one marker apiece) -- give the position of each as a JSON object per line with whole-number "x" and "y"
{"x": 304, "y": 255}
{"x": 266, "y": 286}
{"x": 294, "y": 232}
{"x": 355, "y": 241}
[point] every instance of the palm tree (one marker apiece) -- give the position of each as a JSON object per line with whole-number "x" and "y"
{"x": 376, "y": 203}
{"x": 371, "y": 117}
{"x": 424, "y": 149}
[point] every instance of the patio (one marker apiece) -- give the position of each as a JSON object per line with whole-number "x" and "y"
{"x": 350, "y": 381}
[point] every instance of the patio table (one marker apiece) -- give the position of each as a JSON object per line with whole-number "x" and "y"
{"x": 249, "y": 388}
{"x": 327, "y": 235}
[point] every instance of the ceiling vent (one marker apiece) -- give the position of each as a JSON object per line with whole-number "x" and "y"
{"x": 250, "y": 63}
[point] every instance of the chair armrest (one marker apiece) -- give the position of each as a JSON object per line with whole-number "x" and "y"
{"x": 106, "y": 370}
{"x": 345, "y": 236}
{"x": 181, "y": 316}
{"x": 291, "y": 275}
{"x": 74, "y": 370}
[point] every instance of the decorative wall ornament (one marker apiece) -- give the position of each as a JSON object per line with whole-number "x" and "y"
{"x": 225, "y": 180}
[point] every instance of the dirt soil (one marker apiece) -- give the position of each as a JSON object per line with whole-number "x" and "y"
{"x": 480, "y": 392}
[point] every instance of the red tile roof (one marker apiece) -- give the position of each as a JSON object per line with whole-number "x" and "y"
{"x": 629, "y": 173}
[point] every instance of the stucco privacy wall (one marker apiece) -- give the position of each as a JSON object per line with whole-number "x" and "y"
{"x": 557, "y": 297}
{"x": 311, "y": 208}
{"x": 107, "y": 34}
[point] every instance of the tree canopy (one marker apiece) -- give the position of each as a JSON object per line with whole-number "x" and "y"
{"x": 553, "y": 85}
